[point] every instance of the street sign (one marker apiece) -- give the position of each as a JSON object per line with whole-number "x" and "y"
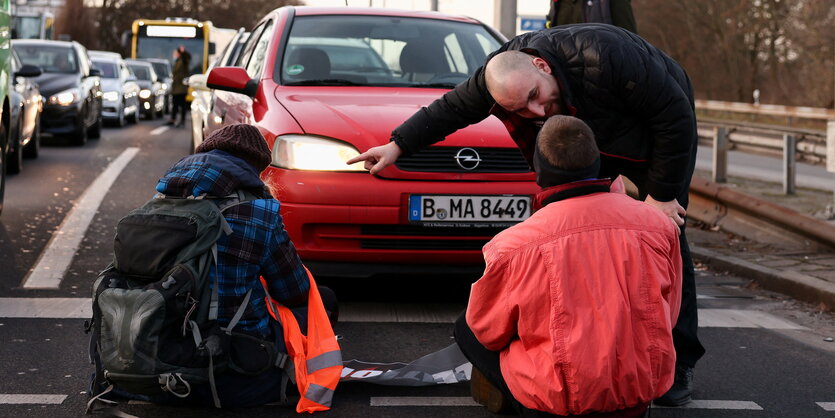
{"x": 528, "y": 24}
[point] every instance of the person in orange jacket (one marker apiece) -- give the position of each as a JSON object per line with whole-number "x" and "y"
{"x": 575, "y": 310}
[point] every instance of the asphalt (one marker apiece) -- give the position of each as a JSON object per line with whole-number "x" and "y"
{"x": 804, "y": 272}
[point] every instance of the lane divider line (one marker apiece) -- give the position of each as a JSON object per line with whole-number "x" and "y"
{"x": 706, "y": 404}
{"x": 56, "y": 258}
{"x": 21, "y": 399}
{"x": 827, "y": 406}
{"x": 55, "y": 308}
{"x": 423, "y": 401}
{"x": 160, "y": 130}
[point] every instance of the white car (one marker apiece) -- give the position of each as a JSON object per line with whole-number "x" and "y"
{"x": 120, "y": 92}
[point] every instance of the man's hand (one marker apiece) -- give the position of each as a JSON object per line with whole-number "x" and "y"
{"x": 378, "y": 158}
{"x": 672, "y": 209}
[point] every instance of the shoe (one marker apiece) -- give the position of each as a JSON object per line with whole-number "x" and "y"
{"x": 171, "y": 122}
{"x": 679, "y": 393}
{"x": 488, "y": 395}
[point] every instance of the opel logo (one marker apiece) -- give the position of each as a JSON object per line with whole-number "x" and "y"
{"x": 467, "y": 158}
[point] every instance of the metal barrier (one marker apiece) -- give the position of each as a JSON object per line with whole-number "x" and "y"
{"x": 810, "y": 146}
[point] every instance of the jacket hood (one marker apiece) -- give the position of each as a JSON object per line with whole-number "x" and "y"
{"x": 215, "y": 173}
{"x": 51, "y": 83}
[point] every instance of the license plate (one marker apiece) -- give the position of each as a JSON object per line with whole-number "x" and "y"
{"x": 447, "y": 208}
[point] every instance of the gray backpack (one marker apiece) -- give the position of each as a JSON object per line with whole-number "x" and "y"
{"x": 154, "y": 316}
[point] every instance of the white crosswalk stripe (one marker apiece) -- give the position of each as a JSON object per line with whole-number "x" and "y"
{"x": 827, "y": 406}
{"x": 22, "y": 398}
{"x": 727, "y": 405}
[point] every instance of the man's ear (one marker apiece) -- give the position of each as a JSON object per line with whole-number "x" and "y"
{"x": 542, "y": 65}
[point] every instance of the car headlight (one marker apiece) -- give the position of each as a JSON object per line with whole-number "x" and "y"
{"x": 304, "y": 152}
{"x": 65, "y": 98}
{"x": 110, "y": 96}
{"x": 144, "y": 93}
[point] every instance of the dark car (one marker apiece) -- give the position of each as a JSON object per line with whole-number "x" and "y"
{"x": 163, "y": 69}
{"x": 26, "y": 107}
{"x": 70, "y": 85}
{"x": 151, "y": 93}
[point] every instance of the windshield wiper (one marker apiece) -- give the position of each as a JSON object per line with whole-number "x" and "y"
{"x": 446, "y": 85}
{"x": 325, "y": 82}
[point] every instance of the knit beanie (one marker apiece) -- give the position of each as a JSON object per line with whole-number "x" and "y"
{"x": 241, "y": 140}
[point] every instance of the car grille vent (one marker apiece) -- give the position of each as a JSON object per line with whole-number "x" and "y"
{"x": 443, "y": 160}
{"x": 414, "y": 237}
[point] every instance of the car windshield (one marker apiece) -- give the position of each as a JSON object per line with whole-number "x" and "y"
{"x": 161, "y": 69}
{"x": 383, "y": 51}
{"x": 51, "y": 59}
{"x": 141, "y": 72}
{"x": 108, "y": 69}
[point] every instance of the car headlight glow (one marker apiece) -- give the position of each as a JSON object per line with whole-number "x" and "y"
{"x": 65, "y": 98}
{"x": 110, "y": 96}
{"x": 144, "y": 93}
{"x": 305, "y": 152}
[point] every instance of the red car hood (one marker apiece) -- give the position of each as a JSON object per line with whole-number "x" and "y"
{"x": 365, "y": 116}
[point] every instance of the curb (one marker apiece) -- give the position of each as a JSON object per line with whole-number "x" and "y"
{"x": 791, "y": 283}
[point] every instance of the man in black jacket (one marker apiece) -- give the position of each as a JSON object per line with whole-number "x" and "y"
{"x": 637, "y": 100}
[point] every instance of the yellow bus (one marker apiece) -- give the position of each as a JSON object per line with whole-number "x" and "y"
{"x": 159, "y": 38}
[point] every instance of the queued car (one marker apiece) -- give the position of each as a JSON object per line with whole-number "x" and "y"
{"x": 163, "y": 69}
{"x": 203, "y": 97}
{"x": 151, "y": 92}
{"x": 26, "y": 107}
{"x": 323, "y": 85}
{"x": 70, "y": 85}
{"x": 120, "y": 100}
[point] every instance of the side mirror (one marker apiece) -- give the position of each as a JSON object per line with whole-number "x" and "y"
{"x": 95, "y": 72}
{"x": 28, "y": 71}
{"x": 234, "y": 79}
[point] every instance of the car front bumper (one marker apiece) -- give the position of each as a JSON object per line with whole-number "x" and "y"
{"x": 362, "y": 220}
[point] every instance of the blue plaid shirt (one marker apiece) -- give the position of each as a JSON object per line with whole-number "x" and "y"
{"x": 258, "y": 246}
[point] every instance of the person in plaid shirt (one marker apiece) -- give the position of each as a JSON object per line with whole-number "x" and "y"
{"x": 227, "y": 161}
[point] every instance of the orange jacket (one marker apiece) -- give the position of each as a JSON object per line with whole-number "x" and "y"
{"x": 317, "y": 359}
{"x": 581, "y": 299}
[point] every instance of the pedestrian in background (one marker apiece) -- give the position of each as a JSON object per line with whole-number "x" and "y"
{"x": 179, "y": 89}
{"x": 612, "y": 12}
{"x": 637, "y": 101}
{"x": 565, "y": 319}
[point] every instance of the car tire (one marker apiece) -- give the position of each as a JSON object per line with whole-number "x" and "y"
{"x": 95, "y": 130}
{"x": 3, "y": 131}
{"x": 80, "y": 137}
{"x": 14, "y": 161}
{"x": 121, "y": 120}
{"x": 33, "y": 148}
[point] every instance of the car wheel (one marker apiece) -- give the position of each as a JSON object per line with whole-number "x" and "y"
{"x": 14, "y": 161}
{"x": 3, "y": 131}
{"x": 80, "y": 135}
{"x": 95, "y": 130}
{"x": 122, "y": 119}
{"x": 33, "y": 148}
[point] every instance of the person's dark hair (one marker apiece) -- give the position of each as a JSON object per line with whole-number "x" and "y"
{"x": 567, "y": 143}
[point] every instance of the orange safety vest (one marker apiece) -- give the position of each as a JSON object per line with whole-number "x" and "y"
{"x": 317, "y": 359}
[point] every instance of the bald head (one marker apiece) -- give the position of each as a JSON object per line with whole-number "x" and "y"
{"x": 522, "y": 84}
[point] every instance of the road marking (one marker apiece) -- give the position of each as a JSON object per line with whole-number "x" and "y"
{"x": 737, "y": 318}
{"x": 160, "y": 130}
{"x": 423, "y": 401}
{"x": 703, "y": 404}
{"x": 60, "y": 308}
{"x": 18, "y": 399}
{"x": 72, "y": 308}
{"x": 827, "y": 406}
{"x": 56, "y": 258}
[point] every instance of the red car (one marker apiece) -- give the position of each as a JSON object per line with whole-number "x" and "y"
{"x": 324, "y": 84}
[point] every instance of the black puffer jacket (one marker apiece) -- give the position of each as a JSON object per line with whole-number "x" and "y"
{"x": 636, "y": 99}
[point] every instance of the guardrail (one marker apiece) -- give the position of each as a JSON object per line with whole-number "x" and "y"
{"x": 792, "y": 144}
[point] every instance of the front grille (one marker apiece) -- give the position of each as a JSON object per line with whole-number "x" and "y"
{"x": 417, "y": 237}
{"x": 442, "y": 160}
